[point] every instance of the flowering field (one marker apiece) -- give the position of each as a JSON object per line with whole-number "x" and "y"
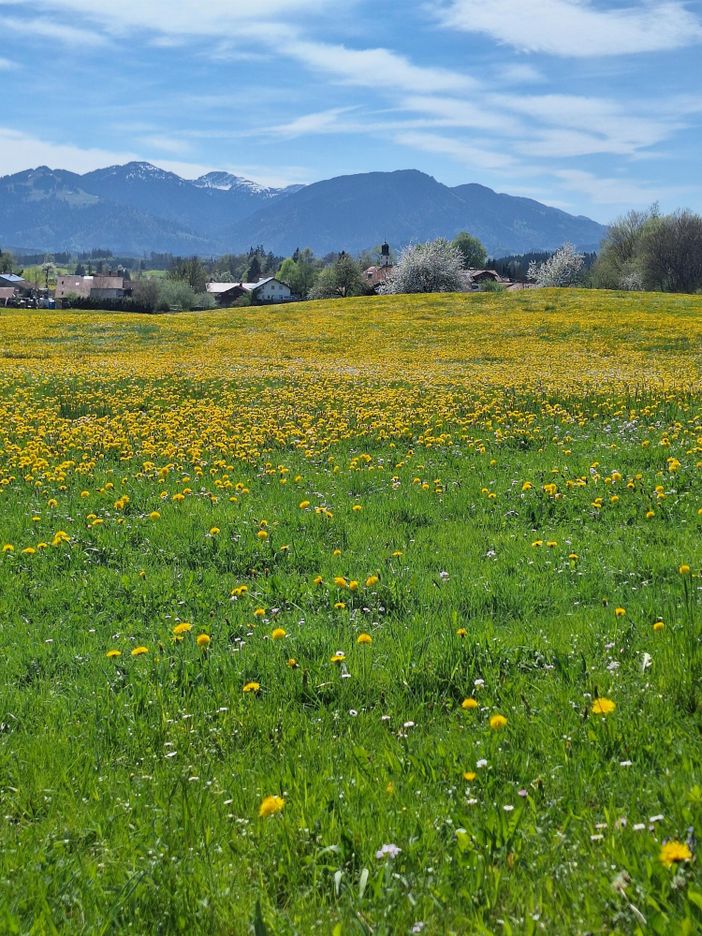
{"x": 377, "y": 616}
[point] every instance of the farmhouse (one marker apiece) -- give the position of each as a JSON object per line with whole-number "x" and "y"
{"x": 13, "y": 287}
{"x": 91, "y": 287}
{"x": 269, "y": 291}
{"x": 375, "y": 276}
{"x": 7, "y": 293}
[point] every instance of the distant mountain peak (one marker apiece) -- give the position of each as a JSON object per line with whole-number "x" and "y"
{"x": 138, "y": 207}
{"x": 142, "y": 171}
{"x": 226, "y": 182}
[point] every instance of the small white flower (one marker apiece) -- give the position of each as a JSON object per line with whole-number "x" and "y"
{"x": 482, "y": 762}
{"x": 388, "y": 851}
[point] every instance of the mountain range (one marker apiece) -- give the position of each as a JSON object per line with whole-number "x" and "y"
{"x": 138, "y": 208}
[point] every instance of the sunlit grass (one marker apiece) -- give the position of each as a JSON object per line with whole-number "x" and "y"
{"x": 254, "y": 564}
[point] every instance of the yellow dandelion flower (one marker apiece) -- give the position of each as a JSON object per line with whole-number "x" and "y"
{"x": 340, "y": 582}
{"x": 356, "y": 508}
{"x": 214, "y": 531}
{"x": 253, "y": 687}
{"x": 469, "y": 775}
{"x": 461, "y": 632}
{"x": 292, "y": 663}
{"x": 364, "y": 639}
{"x": 353, "y": 585}
{"x": 203, "y": 640}
{"x": 278, "y": 634}
{"x": 603, "y": 706}
{"x": 674, "y": 852}
{"x": 270, "y": 806}
{"x": 8, "y": 548}
{"x": 338, "y": 658}
{"x": 111, "y": 654}
{"x": 336, "y": 552}
{"x": 139, "y": 651}
{"x": 684, "y": 569}
{"x": 497, "y": 722}
{"x": 469, "y": 703}
{"x": 29, "y": 551}
{"x": 304, "y": 504}
{"x": 340, "y": 605}
{"x": 260, "y": 612}
{"x": 658, "y": 626}
{"x": 262, "y": 535}
{"x": 371, "y": 581}
{"x": 182, "y": 628}
{"x": 318, "y": 580}
{"x": 154, "y": 515}
{"x": 619, "y": 612}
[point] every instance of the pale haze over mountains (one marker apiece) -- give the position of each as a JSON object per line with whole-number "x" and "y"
{"x": 138, "y": 208}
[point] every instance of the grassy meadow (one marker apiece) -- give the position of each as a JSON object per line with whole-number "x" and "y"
{"x": 378, "y": 616}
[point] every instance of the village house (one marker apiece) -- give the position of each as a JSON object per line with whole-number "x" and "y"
{"x": 92, "y": 287}
{"x": 478, "y": 278}
{"x": 269, "y": 291}
{"x": 13, "y": 288}
{"x": 375, "y": 276}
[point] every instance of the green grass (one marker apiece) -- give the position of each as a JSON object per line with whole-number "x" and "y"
{"x": 130, "y": 787}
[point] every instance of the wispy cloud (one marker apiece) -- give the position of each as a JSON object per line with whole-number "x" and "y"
{"x": 50, "y": 29}
{"x": 370, "y": 67}
{"x": 576, "y": 28}
{"x": 602, "y": 190}
{"x": 19, "y": 150}
{"x": 7, "y": 65}
{"x": 185, "y": 17}
{"x": 466, "y": 153}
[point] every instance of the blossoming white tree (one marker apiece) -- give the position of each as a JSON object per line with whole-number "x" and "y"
{"x": 436, "y": 266}
{"x": 562, "y": 269}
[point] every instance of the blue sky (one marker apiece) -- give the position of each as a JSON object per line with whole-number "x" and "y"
{"x": 592, "y": 106}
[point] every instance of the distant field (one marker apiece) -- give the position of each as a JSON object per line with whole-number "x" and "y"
{"x": 372, "y": 616}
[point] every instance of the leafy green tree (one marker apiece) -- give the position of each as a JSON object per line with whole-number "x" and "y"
{"x": 191, "y": 271}
{"x": 472, "y": 251}
{"x": 7, "y": 262}
{"x": 253, "y": 272}
{"x": 671, "y": 253}
{"x": 341, "y": 279}
{"x": 298, "y": 273}
{"x": 619, "y": 264}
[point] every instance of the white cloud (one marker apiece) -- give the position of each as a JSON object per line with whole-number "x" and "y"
{"x": 518, "y": 73}
{"x": 375, "y": 68}
{"x": 308, "y": 124}
{"x": 19, "y": 150}
{"x": 49, "y": 29}
{"x": 184, "y": 17}
{"x": 7, "y": 65}
{"x": 577, "y": 28}
{"x": 474, "y": 157}
{"x": 475, "y": 114}
{"x": 165, "y": 144}
{"x": 602, "y": 190}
